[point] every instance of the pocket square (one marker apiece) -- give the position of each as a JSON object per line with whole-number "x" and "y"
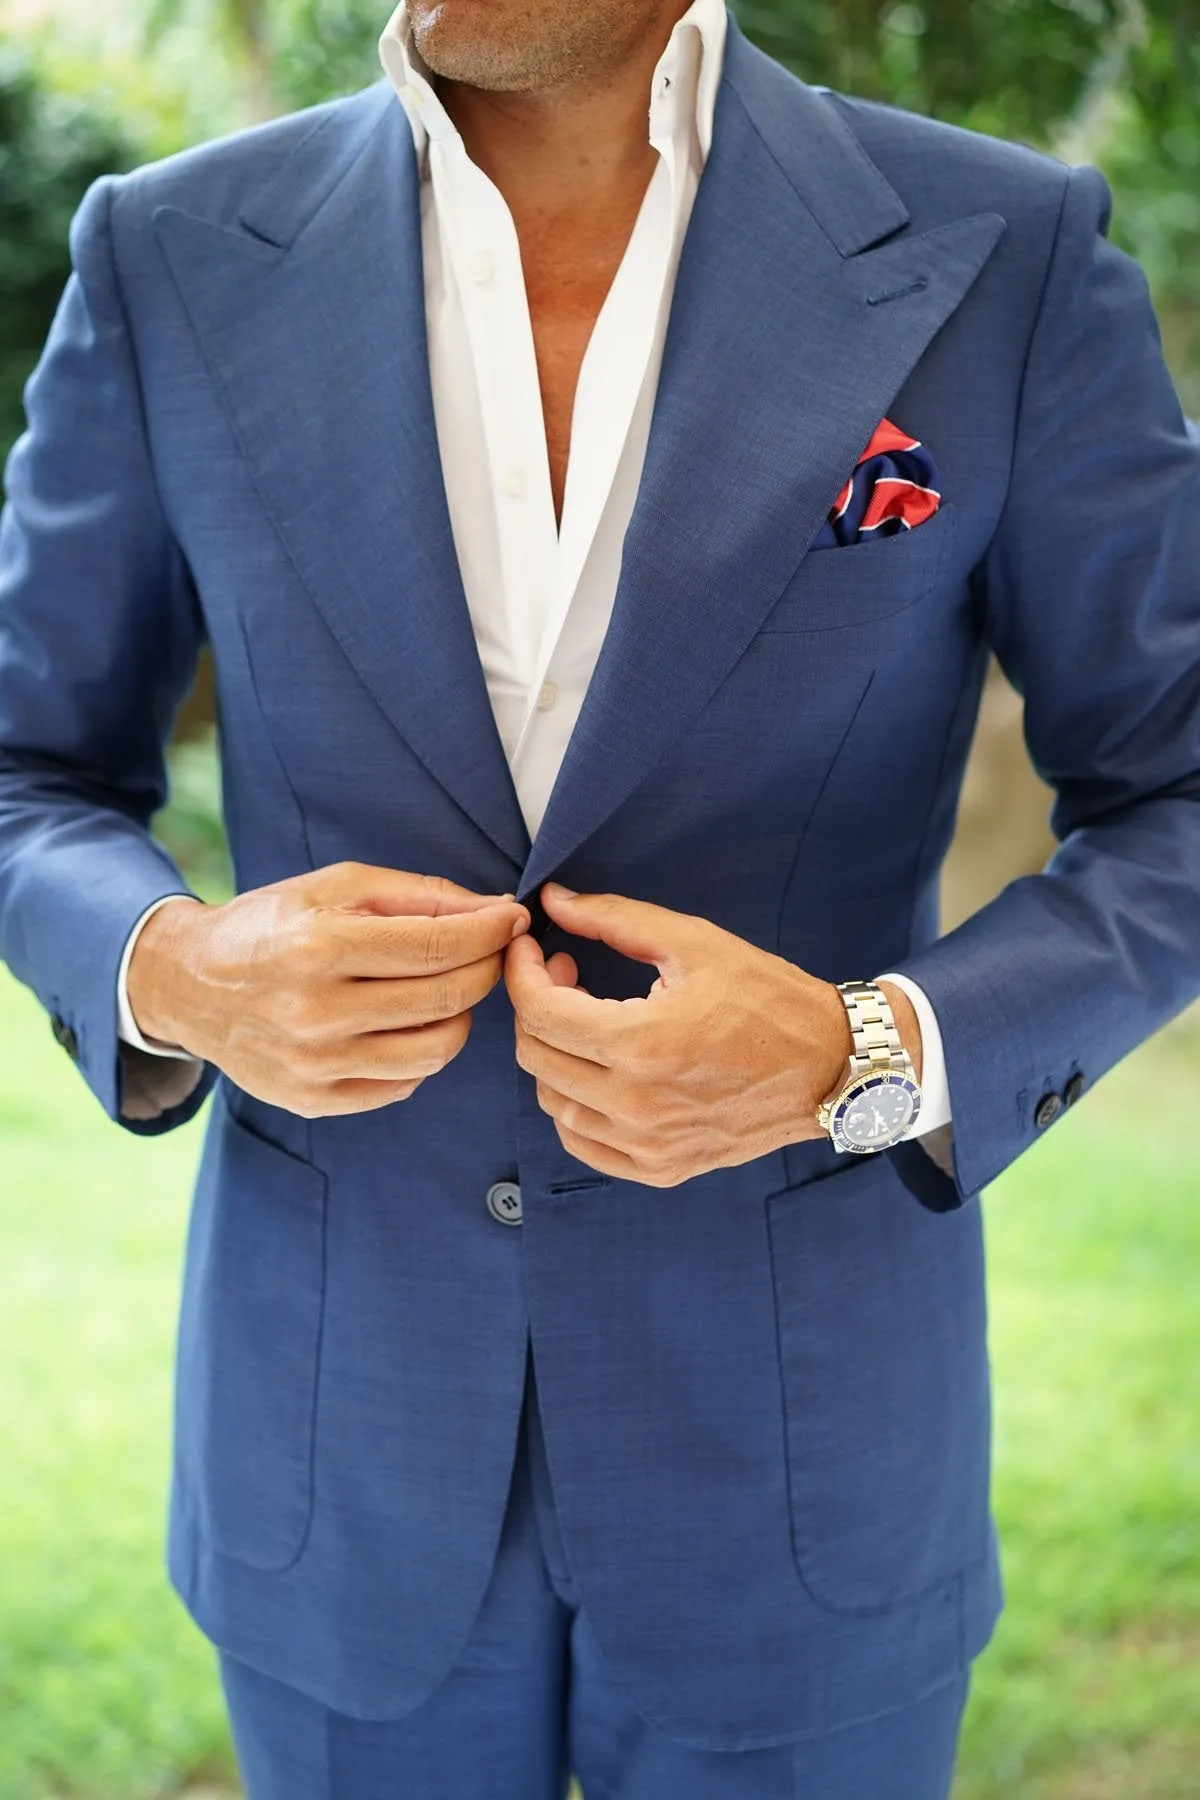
{"x": 895, "y": 486}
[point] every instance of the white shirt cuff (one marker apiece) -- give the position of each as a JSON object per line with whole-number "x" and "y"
{"x": 127, "y": 1029}
{"x": 935, "y": 1089}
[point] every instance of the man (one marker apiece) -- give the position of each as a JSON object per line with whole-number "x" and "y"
{"x": 582, "y": 1359}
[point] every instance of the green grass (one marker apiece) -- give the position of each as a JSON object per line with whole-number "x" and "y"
{"x": 105, "y": 1686}
{"x": 1092, "y": 1688}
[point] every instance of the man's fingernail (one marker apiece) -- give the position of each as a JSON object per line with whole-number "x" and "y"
{"x": 570, "y": 893}
{"x": 520, "y": 926}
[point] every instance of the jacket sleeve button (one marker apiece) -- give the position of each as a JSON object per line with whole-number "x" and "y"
{"x": 64, "y": 1035}
{"x": 1048, "y": 1109}
{"x": 1074, "y": 1088}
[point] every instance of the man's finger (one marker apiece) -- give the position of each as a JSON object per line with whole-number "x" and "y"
{"x": 637, "y": 928}
{"x": 414, "y": 1052}
{"x": 370, "y": 888}
{"x": 355, "y": 1096}
{"x": 572, "y": 1076}
{"x": 391, "y": 1003}
{"x": 565, "y": 971}
{"x": 600, "y": 1156}
{"x": 565, "y": 1016}
{"x": 369, "y": 944}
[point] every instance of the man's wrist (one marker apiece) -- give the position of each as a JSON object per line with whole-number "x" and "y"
{"x": 153, "y": 979}
{"x": 838, "y": 1044}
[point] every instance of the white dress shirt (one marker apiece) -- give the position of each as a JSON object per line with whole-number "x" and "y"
{"x": 540, "y": 595}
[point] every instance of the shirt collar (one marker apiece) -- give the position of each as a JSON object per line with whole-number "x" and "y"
{"x": 683, "y": 91}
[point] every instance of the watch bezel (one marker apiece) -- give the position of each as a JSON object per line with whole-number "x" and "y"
{"x": 858, "y": 1084}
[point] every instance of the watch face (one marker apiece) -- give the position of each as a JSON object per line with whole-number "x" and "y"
{"x": 876, "y": 1112}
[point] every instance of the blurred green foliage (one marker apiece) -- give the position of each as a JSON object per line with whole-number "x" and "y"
{"x": 191, "y": 827}
{"x": 1017, "y": 66}
{"x": 324, "y": 47}
{"x": 51, "y": 146}
{"x": 289, "y": 53}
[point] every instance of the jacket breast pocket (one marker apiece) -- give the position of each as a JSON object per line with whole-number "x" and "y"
{"x": 249, "y": 1343}
{"x": 858, "y": 583}
{"x": 883, "y": 1360}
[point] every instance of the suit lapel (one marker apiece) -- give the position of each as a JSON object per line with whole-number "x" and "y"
{"x": 788, "y": 338}
{"x": 312, "y": 321}
{"x": 799, "y": 310}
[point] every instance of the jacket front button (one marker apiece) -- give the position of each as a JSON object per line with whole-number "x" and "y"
{"x": 504, "y": 1202}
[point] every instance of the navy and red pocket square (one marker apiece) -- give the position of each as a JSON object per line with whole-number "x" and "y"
{"x": 895, "y": 487}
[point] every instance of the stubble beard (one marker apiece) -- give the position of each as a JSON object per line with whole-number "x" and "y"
{"x": 519, "y": 45}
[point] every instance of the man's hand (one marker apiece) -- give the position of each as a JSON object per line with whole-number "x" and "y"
{"x": 727, "y": 1058}
{"x": 333, "y": 992}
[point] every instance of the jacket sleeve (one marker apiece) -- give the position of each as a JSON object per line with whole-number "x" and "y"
{"x": 1092, "y": 590}
{"x": 99, "y": 634}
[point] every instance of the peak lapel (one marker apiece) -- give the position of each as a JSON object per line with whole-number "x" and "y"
{"x": 789, "y": 336}
{"x": 312, "y": 321}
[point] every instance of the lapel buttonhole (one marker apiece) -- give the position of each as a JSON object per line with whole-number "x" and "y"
{"x": 914, "y": 287}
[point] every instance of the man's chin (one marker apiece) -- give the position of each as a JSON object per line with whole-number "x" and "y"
{"x": 474, "y": 62}
{"x": 468, "y": 44}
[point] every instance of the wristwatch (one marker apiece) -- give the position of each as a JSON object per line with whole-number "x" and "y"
{"x": 880, "y": 1098}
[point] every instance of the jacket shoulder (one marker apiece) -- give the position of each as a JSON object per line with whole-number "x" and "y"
{"x": 213, "y": 179}
{"x": 943, "y": 171}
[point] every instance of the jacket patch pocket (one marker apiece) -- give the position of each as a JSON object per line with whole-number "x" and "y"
{"x": 883, "y": 1360}
{"x": 249, "y": 1343}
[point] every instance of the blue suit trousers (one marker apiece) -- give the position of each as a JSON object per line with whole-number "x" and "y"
{"x": 531, "y": 1701}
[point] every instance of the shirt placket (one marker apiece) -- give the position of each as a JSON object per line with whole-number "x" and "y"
{"x": 486, "y": 259}
{"x": 611, "y": 377}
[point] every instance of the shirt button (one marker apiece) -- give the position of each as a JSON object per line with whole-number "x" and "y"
{"x": 482, "y": 267}
{"x": 504, "y": 1202}
{"x": 547, "y": 696}
{"x": 514, "y": 482}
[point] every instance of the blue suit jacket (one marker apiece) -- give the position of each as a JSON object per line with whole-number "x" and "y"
{"x": 765, "y": 1390}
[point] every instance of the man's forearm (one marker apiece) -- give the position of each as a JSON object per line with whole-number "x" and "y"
{"x": 73, "y": 874}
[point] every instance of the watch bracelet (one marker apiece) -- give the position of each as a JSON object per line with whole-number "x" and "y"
{"x": 877, "y": 1041}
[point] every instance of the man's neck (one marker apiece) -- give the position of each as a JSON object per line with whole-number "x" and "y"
{"x": 569, "y": 155}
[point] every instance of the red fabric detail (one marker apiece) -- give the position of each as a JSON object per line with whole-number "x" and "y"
{"x": 894, "y": 499}
{"x": 888, "y": 437}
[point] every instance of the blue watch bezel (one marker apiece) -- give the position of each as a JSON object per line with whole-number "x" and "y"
{"x": 859, "y": 1084}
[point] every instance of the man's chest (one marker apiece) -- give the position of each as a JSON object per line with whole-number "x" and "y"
{"x": 560, "y": 343}
{"x": 566, "y": 288}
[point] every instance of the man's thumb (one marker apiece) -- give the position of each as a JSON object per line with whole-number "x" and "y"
{"x": 636, "y": 928}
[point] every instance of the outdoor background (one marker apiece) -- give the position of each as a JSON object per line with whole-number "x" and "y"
{"x": 1092, "y": 1688}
